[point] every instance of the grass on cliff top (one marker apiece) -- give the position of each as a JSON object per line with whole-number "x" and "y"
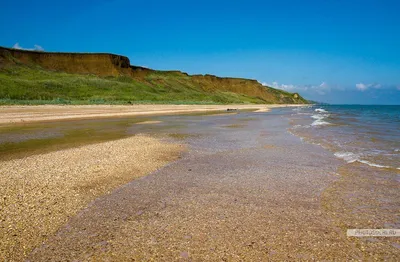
{"x": 33, "y": 85}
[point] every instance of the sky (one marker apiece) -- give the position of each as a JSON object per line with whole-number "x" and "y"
{"x": 334, "y": 51}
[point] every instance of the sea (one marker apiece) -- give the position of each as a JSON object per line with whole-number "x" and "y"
{"x": 364, "y": 141}
{"x": 366, "y": 134}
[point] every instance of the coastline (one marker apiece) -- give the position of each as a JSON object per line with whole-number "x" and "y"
{"x": 245, "y": 189}
{"x": 366, "y": 193}
{"x": 41, "y": 113}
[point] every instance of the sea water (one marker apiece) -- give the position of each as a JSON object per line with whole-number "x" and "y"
{"x": 366, "y": 141}
{"x": 367, "y": 134}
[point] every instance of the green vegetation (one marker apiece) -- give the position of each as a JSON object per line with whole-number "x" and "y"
{"x": 28, "y": 77}
{"x": 22, "y": 84}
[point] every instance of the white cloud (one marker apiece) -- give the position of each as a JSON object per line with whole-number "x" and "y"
{"x": 324, "y": 85}
{"x": 280, "y": 86}
{"x": 35, "y": 47}
{"x": 38, "y": 48}
{"x": 361, "y": 86}
{"x": 321, "y": 89}
{"x": 288, "y": 87}
{"x": 17, "y": 46}
{"x": 274, "y": 84}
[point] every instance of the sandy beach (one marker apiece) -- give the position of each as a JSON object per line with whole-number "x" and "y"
{"x": 40, "y": 113}
{"x": 230, "y": 187}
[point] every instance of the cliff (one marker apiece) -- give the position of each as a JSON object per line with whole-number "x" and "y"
{"x": 74, "y": 63}
{"x": 165, "y": 85}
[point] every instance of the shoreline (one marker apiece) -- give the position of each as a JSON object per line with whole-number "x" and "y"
{"x": 366, "y": 194}
{"x": 245, "y": 177}
{"x": 44, "y": 113}
{"x": 249, "y": 184}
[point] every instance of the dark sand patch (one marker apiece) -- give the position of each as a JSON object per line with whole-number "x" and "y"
{"x": 234, "y": 126}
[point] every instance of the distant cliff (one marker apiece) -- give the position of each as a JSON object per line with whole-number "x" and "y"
{"x": 168, "y": 84}
{"x": 74, "y": 63}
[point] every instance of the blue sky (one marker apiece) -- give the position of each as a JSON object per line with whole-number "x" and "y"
{"x": 333, "y": 51}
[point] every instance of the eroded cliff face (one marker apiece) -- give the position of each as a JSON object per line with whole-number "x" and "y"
{"x": 236, "y": 85}
{"x": 101, "y": 64}
{"x": 75, "y": 63}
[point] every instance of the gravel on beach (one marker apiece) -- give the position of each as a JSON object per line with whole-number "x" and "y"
{"x": 41, "y": 192}
{"x": 250, "y": 193}
{"x": 246, "y": 189}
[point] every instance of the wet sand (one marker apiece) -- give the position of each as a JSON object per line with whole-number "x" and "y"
{"x": 40, "y": 113}
{"x": 250, "y": 193}
{"x": 246, "y": 190}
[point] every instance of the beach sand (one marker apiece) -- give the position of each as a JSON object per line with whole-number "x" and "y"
{"x": 245, "y": 190}
{"x": 250, "y": 193}
{"x": 41, "y": 192}
{"x": 23, "y": 114}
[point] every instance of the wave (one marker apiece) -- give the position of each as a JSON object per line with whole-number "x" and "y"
{"x": 319, "y": 120}
{"x": 320, "y": 123}
{"x": 350, "y": 157}
{"x": 320, "y": 116}
{"x": 373, "y": 164}
{"x": 320, "y": 110}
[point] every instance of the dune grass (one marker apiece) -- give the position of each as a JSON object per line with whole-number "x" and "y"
{"x": 33, "y": 85}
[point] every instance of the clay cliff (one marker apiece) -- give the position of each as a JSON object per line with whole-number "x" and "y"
{"x": 111, "y": 65}
{"x": 74, "y": 63}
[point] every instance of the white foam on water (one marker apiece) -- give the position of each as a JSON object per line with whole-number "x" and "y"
{"x": 372, "y": 164}
{"x": 319, "y": 120}
{"x": 320, "y": 116}
{"x": 320, "y": 110}
{"x": 350, "y": 157}
{"x": 320, "y": 123}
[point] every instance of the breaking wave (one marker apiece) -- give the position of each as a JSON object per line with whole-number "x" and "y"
{"x": 319, "y": 119}
{"x": 350, "y": 157}
{"x": 320, "y": 110}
